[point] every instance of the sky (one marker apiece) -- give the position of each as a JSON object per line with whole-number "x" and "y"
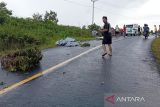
{"x": 79, "y": 12}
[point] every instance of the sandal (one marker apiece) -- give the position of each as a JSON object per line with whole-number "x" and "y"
{"x": 110, "y": 54}
{"x": 104, "y": 54}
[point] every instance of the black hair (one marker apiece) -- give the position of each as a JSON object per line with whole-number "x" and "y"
{"x": 105, "y": 17}
{"x": 145, "y": 24}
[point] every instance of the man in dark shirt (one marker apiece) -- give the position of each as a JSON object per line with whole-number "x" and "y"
{"x": 107, "y": 37}
{"x": 124, "y": 30}
{"x": 139, "y": 30}
{"x": 146, "y": 31}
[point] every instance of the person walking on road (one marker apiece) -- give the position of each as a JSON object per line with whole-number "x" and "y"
{"x": 155, "y": 30}
{"x": 139, "y": 30}
{"x": 146, "y": 31}
{"x": 124, "y": 30}
{"x": 107, "y": 37}
{"x": 117, "y": 30}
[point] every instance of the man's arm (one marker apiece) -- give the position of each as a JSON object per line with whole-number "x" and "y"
{"x": 106, "y": 28}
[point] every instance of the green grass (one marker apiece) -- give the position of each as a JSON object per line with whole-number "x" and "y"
{"x": 50, "y": 44}
{"x": 15, "y": 31}
{"x": 156, "y": 49}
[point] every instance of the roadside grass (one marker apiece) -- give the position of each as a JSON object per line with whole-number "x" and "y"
{"x": 156, "y": 49}
{"x": 19, "y": 33}
{"x": 50, "y": 43}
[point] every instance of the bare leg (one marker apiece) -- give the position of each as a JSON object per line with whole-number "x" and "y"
{"x": 104, "y": 48}
{"x": 110, "y": 48}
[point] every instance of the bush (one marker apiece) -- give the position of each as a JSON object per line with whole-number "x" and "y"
{"x": 21, "y": 60}
{"x": 10, "y": 41}
{"x": 93, "y": 27}
{"x": 2, "y": 19}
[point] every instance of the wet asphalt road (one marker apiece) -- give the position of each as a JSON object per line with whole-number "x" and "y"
{"x": 131, "y": 69}
{"x": 51, "y": 57}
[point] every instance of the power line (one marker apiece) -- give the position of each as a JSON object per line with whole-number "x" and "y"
{"x": 77, "y": 3}
{"x": 113, "y": 13}
{"x": 109, "y": 11}
{"x": 111, "y": 4}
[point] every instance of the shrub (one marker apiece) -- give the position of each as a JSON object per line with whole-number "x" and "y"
{"x": 22, "y": 60}
{"x": 93, "y": 27}
{"x": 2, "y": 19}
{"x": 11, "y": 41}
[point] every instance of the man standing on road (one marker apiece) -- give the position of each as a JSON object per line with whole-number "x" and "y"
{"x": 107, "y": 37}
{"x": 146, "y": 31}
{"x": 124, "y": 30}
{"x": 139, "y": 30}
{"x": 155, "y": 30}
{"x": 117, "y": 30}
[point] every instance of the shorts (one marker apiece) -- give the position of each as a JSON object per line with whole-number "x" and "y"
{"x": 107, "y": 39}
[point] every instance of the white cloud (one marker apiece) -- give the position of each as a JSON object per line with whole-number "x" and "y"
{"x": 146, "y": 13}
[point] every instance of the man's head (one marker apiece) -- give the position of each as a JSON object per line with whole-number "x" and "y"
{"x": 145, "y": 25}
{"x": 104, "y": 19}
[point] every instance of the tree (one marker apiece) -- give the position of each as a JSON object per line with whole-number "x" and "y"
{"x": 84, "y": 27}
{"x": 51, "y": 16}
{"x": 93, "y": 27}
{"x": 37, "y": 17}
{"x": 4, "y": 12}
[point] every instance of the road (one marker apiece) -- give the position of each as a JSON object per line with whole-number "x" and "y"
{"x": 84, "y": 81}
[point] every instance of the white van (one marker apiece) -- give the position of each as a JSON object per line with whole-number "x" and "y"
{"x": 132, "y": 29}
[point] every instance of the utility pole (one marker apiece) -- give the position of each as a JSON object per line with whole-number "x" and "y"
{"x": 93, "y": 11}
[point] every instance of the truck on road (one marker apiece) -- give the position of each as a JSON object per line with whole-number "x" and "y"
{"x": 132, "y": 29}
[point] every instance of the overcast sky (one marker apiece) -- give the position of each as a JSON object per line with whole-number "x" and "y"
{"x": 79, "y": 12}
